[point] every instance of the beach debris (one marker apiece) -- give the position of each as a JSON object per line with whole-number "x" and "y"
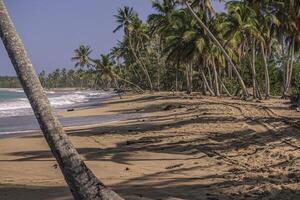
{"x": 70, "y": 110}
{"x": 142, "y": 141}
{"x": 174, "y": 166}
{"x": 172, "y": 106}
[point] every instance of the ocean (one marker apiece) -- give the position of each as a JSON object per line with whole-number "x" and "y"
{"x": 16, "y": 115}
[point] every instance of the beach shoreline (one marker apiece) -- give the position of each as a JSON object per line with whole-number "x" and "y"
{"x": 78, "y": 111}
{"x": 16, "y": 115}
{"x": 179, "y": 147}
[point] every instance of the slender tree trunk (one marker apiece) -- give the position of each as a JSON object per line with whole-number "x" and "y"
{"x": 220, "y": 80}
{"x": 254, "y": 70}
{"x": 258, "y": 93}
{"x": 201, "y": 82}
{"x": 230, "y": 71}
{"x": 126, "y": 81}
{"x": 82, "y": 182}
{"x": 267, "y": 77}
{"x": 158, "y": 79}
{"x": 216, "y": 82}
{"x": 144, "y": 68}
{"x": 239, "y": 77}
{"x": 209, "y": 76}
{"x": 290, "y": 64}
{"x": 206, "y": 84}
{"x": 189, "y": 77}
{"x": 224, "y": 87}
{"x": 205, "y": 81}
{"x": 292, "y": 61}
{"x": 176, "y": 78}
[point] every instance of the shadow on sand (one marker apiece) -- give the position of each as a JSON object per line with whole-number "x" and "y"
{"x": 224, "y": 148}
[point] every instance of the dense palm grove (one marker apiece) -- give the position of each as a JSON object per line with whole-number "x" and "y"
{"x": 251, "y": 49}
{"x": 187, "y": 46}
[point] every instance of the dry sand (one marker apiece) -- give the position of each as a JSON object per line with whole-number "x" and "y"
{"x": 182, "y": 148}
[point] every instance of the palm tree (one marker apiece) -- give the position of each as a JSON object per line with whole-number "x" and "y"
{"x": 124, "y": 18}
{"x": 82, "y": 56}
{"x": 104, "y": 70}
{"x": 215, "y": 40}
{"x": 82, "y": 182}
{"x": 268, "y": 23}
{"x": 134, "y": 32}
{"x": 289, "y": 17}
{"x": 161, "y": 20}
{"x": 183, "y": 44}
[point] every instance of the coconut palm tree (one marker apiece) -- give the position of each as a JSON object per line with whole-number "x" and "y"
{"x": 288, "y": 14}
{"x": 215, "y": 40}
{"x": 104, "y": 70}
{"x": 183, "y": 44}
{"x": 82, "y": 56}
{"x": 242, "y": 25}
{"x": 82, "y": 182}
{"x": 161, "y": 20}
{"x": 134, "y": 31}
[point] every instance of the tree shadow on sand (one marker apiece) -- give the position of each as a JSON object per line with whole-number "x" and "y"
{"x": 237, "y": 164}
{"x": 27, "y": 192}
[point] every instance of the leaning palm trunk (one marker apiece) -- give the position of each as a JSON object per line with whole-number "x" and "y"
{"x": 224, "y": 87}
{"x": 267, "y": 77}
{"x": 254, "y": 71}
{"x": 144, "y": 68}
{"x": 216, "y": 82}
{"x": 206, "y": 83}
{"x": 139, "y": 89}
{"x": 239, "y": 77}
{"x": 82, "y": 182}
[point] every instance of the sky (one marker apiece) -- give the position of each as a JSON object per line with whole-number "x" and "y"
{"x": 52, "y": 29}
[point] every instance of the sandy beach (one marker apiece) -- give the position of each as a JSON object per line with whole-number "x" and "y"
{"x": 179, "y": 148}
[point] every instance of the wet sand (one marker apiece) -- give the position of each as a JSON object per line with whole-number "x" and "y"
{"x": 178, "y": 148}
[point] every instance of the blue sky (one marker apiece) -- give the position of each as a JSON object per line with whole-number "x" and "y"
{"x": 52, "y": 29}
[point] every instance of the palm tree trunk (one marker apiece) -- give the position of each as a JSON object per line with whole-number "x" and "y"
{"x": 224, "y": 87}
{"x": 142, "y": 65}
{"x": 82, "y": 182}
{"x": 258, "y": 93}
{"x": 292, "y": 55}
{"x": 209, "y": 76}
{"x": 267, "y": 77}
{"x": 239, "y": 77}
{"x": 253, "y": 70}
{"x": 216, "y": 82}
{"x": 189, "y": 78}
{"x": 158, "y": 78}
{"x": 126, "y": 81}
{"x": 205, "y": 81}
{"x": 176, "y": 78}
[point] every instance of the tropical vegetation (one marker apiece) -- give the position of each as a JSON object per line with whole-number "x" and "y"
{"x": 250, "y": 49}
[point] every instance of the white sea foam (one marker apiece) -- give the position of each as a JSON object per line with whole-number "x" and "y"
{"x": 21, "y": 106}
{"x": 18, "y": 90}
{"x": 16, "y": 132}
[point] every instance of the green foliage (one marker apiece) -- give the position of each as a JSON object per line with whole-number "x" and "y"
{"x": 154, "y": 54}
{"x": 296, "y": 79}
{"x": 9, "y": 82}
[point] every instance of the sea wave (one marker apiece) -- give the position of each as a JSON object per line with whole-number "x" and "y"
{"x": 21, "y": 106}
{"x": 16, "y": 132}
